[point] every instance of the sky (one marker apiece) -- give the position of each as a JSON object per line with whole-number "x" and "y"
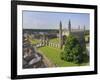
{"x": 51, "y": 20}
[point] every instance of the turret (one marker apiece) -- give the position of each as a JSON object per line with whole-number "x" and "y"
{"x": 60, "y": 35}
{"x": 69, "y": 26}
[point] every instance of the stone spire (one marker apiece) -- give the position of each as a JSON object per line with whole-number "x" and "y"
{"x": 78, "y": 27}
{"x": 84, "y": 29}
{"x": 60, "y": 35}
{"x": 69, "y": 26}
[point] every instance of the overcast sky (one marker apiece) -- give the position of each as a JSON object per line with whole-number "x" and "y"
{"x": 51, "y": 20}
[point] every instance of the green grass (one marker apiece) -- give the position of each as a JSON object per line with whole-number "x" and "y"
{"x": 53, "y": 54}
{"x": 86, "y": 37}
{"x": 54, "y": 40}
{"x": 34, "y": 41}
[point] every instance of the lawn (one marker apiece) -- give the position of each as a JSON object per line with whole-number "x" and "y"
{"x": 53, "y": 54}
{"x": 34, "y": 41}
{"x": 86, "y": 37}
{"x": 54, "y": 40}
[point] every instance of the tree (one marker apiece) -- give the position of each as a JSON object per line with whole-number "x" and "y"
{"x": 73, "y": 51}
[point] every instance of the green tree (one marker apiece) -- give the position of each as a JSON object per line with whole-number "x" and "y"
{"x": 73, "y": 51}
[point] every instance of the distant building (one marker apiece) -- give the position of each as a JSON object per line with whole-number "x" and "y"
{"x": 44, "y": 35}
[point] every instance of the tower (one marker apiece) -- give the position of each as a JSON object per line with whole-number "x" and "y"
{"x": 84, "y": 28}
{"x": 78, "y": 27}
{"x": 69, "y": 26}
{"x": 60, "y": 35}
